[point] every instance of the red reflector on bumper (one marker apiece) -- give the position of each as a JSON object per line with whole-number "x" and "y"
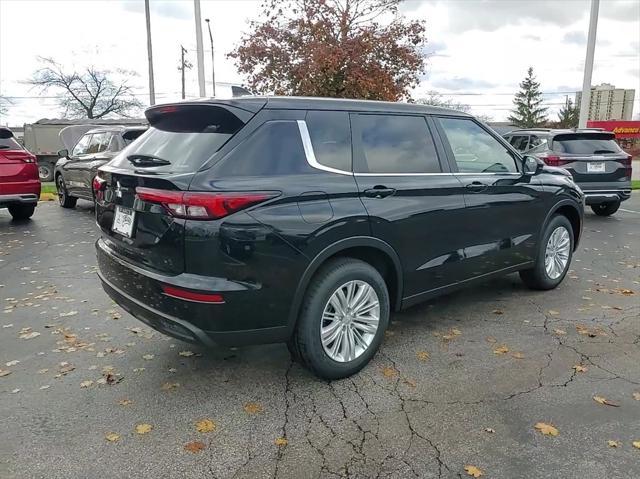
{"x": 188, "y": 295}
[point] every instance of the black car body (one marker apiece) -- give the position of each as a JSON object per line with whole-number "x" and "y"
{"x": 75, "y": 170}
{"x": 223, "y": 222}
{"x": 598, "y": 165}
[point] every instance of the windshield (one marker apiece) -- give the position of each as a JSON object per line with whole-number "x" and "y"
{"x": 586, "y": 144}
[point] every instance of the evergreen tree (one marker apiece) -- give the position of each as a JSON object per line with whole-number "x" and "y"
{"x": 528, "y": 112}
{"x": 568, "y": 115}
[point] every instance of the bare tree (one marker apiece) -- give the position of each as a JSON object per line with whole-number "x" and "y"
{"x": 90, "y": 93}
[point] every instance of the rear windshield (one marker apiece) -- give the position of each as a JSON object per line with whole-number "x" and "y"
{"x": 180, "y": 139}
{"x": 585, "y": 143}
{"x": 9, "y": 144}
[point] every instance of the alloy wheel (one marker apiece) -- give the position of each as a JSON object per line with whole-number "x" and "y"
{"x": 557, "y": 251}
{"x": 350, "y": 321}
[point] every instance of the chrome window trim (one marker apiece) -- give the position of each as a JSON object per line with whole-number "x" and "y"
{"x": 310, "y": 154}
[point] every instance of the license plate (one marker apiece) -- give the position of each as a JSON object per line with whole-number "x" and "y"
{"x": 123, "y": 221}
{"x": 595, "y": 167}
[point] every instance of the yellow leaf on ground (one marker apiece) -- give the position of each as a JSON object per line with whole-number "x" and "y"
{"x": 125, "y": 402}
{"x": 501, "y": 350}
{"x": 636, "y": 444}
{"x": 614, "y": 443}
{"x": 281, "y": 441}
{"x": 546, "y": 429}
{"x": 253, "y": 408}
{"x": 4, "y": 372}
{"x": 389, "y": 372}
{"x": 143, "y": 428}
{"x": 580, "y": 368}
{"x": 517, "y": 355}
{"x": 86, "y": 384}
{"x": 206, "y": 425}
{"x": 194, "y": 446}
{"x": 605, "y": 401}
{"x": 636, "y": 396}
{"x": 112, "y": 437}
{"x": 422, "y": 355}
{"x": 473, "y": 471}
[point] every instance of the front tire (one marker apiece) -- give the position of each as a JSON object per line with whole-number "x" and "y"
{"x": 22, "y": 212}
{"x": 45, "y": 171}
{"x": 65, "y": 200}
{"x": 554, "y": 255}
{"x": 343, "y": 317}
{"x": 605, "y": 209}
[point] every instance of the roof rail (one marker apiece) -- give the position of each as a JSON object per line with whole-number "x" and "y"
{"x": 533, "y": 129}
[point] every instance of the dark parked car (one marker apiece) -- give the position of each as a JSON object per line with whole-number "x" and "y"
{"x": 19, "y": 182}
{"x": 307, "y": 220}
{"x": 75, "y": 171}
{"x": 598, "y": 165}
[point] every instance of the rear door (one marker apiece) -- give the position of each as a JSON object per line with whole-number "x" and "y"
{"x": 71, "y": 168}
{"x": 594, "y": 159}
{"x": 414, "y": 202}
{"x": 504, "y": 208}
{"x": 135, "y": 191}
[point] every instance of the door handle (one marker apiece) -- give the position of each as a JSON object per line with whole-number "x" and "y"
{"x": 379, "y": 191}
{"x": 476, "y": 187}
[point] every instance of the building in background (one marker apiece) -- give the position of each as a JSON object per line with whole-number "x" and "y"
{"x": 609, "y": 103}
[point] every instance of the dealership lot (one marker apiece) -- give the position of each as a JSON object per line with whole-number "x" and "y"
{"x": 459, "y": 381}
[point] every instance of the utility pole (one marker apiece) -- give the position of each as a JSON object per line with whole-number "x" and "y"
{"x": 152, "y": 90}
{"x": 585, "y": 101}
{"x": 200, "y": 51}
{"x": 213, "y": 66}
{"x": 184, "y": 65}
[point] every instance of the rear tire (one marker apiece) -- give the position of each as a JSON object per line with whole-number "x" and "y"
{"x": 65, "y": 200}
{"x": 367, "y": 284}
{"x": 22, "y": 212}
{"x": 539, "y": 277}
{"x": 606, "y": 209}
{"x": 45, "y": 171}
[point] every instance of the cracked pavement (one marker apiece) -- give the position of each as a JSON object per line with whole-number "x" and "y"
{"x": 405, "y": 415}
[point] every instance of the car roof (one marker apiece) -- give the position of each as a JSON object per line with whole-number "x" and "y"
{"x": 256, "y": 103}
{"x": 554, "y": 131}
{"x": 116, "y": 129}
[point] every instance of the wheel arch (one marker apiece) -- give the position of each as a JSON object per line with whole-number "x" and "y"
{"x": 368, "y": 249}
{"x": 568, "y": 209}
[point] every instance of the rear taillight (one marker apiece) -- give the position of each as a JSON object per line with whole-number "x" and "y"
{"x": 29, "y": 159}
{"x": 627, "y": 165}
{"x": 199, "y": 297}
{"x": 201, "y": 205}
{"x": 554, "y": 160}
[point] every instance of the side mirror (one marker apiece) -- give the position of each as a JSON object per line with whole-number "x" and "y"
{"x": 63, "y": 153}
{"x": 531, "y": 165}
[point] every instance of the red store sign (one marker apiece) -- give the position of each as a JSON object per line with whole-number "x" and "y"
{"x": 622, "y": 129}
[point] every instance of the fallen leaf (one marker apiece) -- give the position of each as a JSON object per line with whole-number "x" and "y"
{"x": 86, "y": 384}
{"x": 194, "y": 446}
{"x": 15, "y": 391}
{"x": 31, "y": 335}
{"x": 421, "y": 355}
{"x": 281, "y": 441}
{"x": 497, "y": 311}
{"x": 553, "y": 313}
{"x": 143, "y": 428}
{"x": 605, "y": 401}
{"x": 206, "y": 425}
{"x": 410, "y": 382}
{"x": 46, "y": 386}
{"x": 636, "y": 444}
{"x": 125, "y": 402}
{"x": 579, "y": 368}
{"x": 489, "y": 430}
{"x": 559, "y": 332}
{"x": 517, "y": 355}
{"x": 546, "y": 429}
{"x": 12, "y": 363}
{"x": 473, "y": 471}
{"x": 490, "y": 339}
{"x": 170, "y": 386}
{"x": 4, "y": 372}
{"x": 389, "y": 372}
{"x": 501, "y": 350}
{"x": 614, "y": 443}
{"x": 186, "y": 354}
{"x": 70, "y": 313}
{"x": 636, "y": 396}
{"x": 112, "y": 437}
{"x": 253, "y": 408}
{"x": 148, "y": 357}
{"x": 626, "y": 292}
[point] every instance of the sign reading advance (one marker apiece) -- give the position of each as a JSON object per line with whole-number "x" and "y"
{"x": 622, "y": 129}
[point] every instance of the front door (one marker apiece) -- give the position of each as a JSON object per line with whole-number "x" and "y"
{"x": 414, "y": 202}
{"x": 504, "y": 207}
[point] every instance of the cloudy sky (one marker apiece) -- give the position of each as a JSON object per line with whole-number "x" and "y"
{"x": 479, "y": 50}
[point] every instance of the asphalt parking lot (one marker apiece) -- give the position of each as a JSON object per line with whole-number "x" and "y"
{"x": 460, "y": 381}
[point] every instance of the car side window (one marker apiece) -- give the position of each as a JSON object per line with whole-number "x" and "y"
{"x": 474, "y": 149}
{"x": 330, "y": 133}
{"x": 396, "y": 144}
{"x": 535, "y": 141}
{"x": 275, "y": 148}
{"x": 81, "y": 146}
{"x": 97, "y": 143}
{"x": 519, "y": 142}
{"x": 114, "y": 144}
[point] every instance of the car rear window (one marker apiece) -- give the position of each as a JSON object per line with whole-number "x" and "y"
{"x": 9, "y": 144}
{"x": 183, "y": 138}
{"x": 585, "y": 143}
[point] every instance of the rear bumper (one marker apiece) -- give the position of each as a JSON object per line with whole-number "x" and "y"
{"x": 595, "y": 197}
{"x": 23, "y": 199}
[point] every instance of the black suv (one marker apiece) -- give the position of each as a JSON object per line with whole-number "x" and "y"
{"x": 308, "y": 220}
{"x": 598, "y": 165}
{"x": 75, "y": 171}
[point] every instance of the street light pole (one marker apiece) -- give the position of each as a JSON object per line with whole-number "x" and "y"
{"x": 199, "y": 50}
{"x": 152, "y": 92}
{"x": 585, "y": 101}
{"x": 213, "y": 66}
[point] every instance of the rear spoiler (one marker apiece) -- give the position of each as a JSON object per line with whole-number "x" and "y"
{"x": 244, "y": 108}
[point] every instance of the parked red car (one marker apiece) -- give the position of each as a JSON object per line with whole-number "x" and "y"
{"x": 19, "y": 182}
